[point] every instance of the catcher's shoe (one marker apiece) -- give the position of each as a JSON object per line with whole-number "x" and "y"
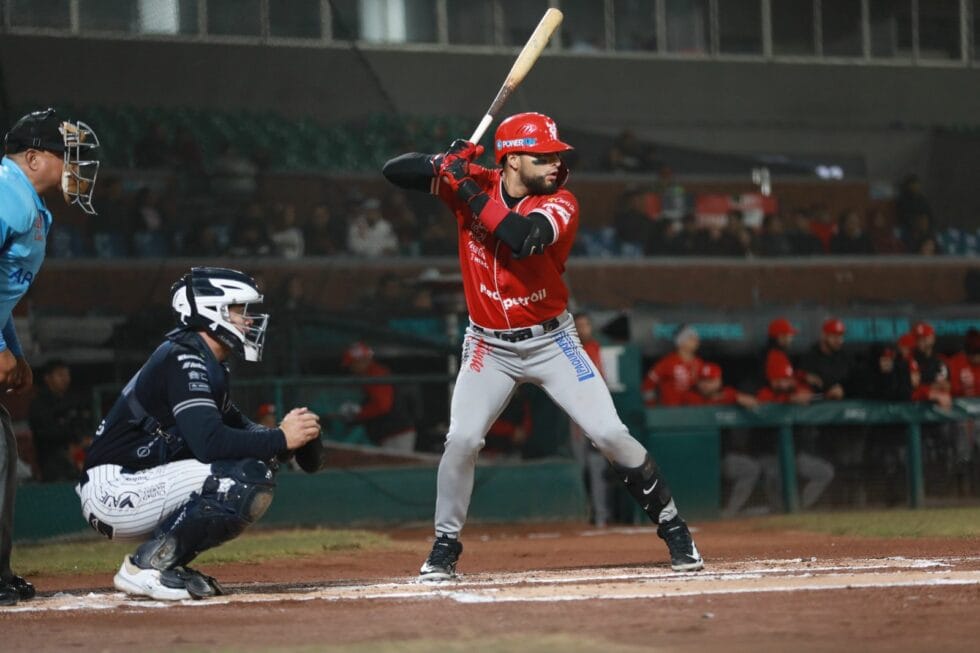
{"x": 198, "y": 585}
{"x": 684, "y": 555}
{"x": 136, "y": 581}
{"x": 441, "y": 563}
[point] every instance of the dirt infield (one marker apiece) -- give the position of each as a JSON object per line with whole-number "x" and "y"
{"x": 761, "y": 591}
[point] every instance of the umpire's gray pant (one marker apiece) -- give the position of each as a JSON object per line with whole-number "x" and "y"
{"x": 8, "y": 489}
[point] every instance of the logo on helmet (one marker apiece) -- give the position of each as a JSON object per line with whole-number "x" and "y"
{"x": 517, "y": 142}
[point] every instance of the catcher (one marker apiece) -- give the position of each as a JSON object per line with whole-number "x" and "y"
{"x": 175, "y": 463}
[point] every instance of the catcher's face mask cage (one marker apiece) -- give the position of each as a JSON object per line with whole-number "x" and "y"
{"x": 80, "y": 167}
{"x": 204, "y": 299}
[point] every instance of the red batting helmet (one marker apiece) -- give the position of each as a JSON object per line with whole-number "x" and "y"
{"x": 527, "y": 132}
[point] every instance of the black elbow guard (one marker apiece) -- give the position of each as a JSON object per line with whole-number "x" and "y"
{"x": 526, "y": 236}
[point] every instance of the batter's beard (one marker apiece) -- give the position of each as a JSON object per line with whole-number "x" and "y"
{"x": 540, "y": 185}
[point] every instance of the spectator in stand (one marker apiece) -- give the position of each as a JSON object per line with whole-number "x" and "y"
{"x": 964, "y": 367}
{"x": 151, "y": 237}
{"x": 628, "y": 154}
{"x": 631, "y": 222}
{"x": 595, "y": 467}
{"x": 674, "y": 375}
{"x": 287, "y": 237}
{"x": 721, "y": 239}
{"x": 686, "y": 240}
{"x": 233, "y": 175}
{"x": 801, "y": 238}
{"x": 918, "y": 237}
{"x": 190, "y": 161}
{"x": 816, "y": 471}
{"x": 396, "y": 211}
{"x": 739, "y": 234}
{"x": 882, "y": 233}
{"x": 325, "y": 235}
{"x": 57, "y": 424}
{"x": 851, "y": 238}
{"x": 911, "y": 206}
{"x": 250, "y": 234}
{"x": 507, "y": 435}
{"x": 385, "y": 410}
{"x": 111, "y": 226}
{"x": 826, "y": 367}
{"x": 823, "y": 226}
{"x": 738, "y": 465}
{"x": 773, "y": 239}
{"x": 369, "y": 234}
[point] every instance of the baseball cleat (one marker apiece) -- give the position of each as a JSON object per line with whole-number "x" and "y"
{"x": 24, "y": 589}
{"x": 684, "y": 554}
{"x": 441, "y": 563}
{"x": 8, "y": 594}
{"x": 136, "y": 581}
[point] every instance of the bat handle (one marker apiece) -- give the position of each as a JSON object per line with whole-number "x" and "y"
{"x": 481, "y": 128}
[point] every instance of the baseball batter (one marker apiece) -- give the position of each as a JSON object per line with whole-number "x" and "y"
{"x": 516, "y": 226}
{"x": 43, "y": 151}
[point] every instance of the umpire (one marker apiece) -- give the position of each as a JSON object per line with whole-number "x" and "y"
{"x": 175, "y": 463}
{"x": 42, "y": 152}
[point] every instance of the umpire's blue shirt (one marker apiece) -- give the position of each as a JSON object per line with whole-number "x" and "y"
{"x": 24, "y": 225}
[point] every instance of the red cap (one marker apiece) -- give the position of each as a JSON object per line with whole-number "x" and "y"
{"x": 709, "y": 371}
{"x": 357, "y": 351}
{"x": 834, "y": 327}
{"x": 923, "y": 330}
{"x": 907, "y": 341}
{"x": 778, "y": 366}
{"x": 265, "y": 409}
{"x": 781, "y": 327}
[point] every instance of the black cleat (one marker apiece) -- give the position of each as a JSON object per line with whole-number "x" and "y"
{"x": 198, "y": 585}
{"x": 8, "y": 594}
{"x": 441, "y": 563}
{"x": 684, "y": 555}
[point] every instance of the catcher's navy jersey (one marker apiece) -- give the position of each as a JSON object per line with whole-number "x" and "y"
{"x": 24, "y": 225}
{"x": 183, "y": 390}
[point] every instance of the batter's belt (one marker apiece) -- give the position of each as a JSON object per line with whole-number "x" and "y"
{"x": 516, "y": 335}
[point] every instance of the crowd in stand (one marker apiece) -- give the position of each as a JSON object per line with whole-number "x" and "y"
{"x": 212, "y": 206}
{"x": 907, "y": 370}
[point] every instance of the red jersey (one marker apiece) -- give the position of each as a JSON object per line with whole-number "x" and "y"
{"x": 670, "y": 379}
{"x": 726, "y": 396}
{"x": 501, "y": 292}
{"x": 964, "y": 376}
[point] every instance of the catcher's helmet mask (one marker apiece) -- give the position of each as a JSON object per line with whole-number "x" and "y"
{"x": 75, "y": 141}
{"x": 202, "y": 298}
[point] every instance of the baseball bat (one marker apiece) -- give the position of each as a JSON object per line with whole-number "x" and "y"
{"x": 522, "y": 65}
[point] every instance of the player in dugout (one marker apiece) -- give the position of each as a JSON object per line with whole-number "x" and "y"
{"x": 175, "y": 464}
{"x": 516, "y": 224}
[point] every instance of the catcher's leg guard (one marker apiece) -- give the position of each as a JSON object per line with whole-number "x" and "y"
{"x": 649, "y": 488}
{"x": 236, "y": 494}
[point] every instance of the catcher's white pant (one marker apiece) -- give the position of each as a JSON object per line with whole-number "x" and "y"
{"x": 490, "y": 371}
{"x": 133, "y": 504}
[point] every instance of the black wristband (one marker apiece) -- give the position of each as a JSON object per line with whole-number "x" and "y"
{"x": 469, "y": 191}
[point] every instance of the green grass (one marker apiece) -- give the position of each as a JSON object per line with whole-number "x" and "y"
{"x": 936, "y": 522}
{"x": 91, "y": 555}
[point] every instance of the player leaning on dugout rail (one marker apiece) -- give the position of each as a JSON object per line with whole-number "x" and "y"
{"x": 516, "y": 226}
{"x": 42, "y": 151}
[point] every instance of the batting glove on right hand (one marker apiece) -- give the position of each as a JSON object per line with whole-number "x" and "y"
{"x": 454, "y": 168}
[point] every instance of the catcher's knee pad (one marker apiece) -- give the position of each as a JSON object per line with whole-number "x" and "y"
{"x": 236, "y": 494}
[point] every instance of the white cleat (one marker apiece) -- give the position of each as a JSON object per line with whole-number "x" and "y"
{"x": 136, "y": 581}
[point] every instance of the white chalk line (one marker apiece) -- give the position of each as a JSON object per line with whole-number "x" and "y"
{"x": 621, "y": 583}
